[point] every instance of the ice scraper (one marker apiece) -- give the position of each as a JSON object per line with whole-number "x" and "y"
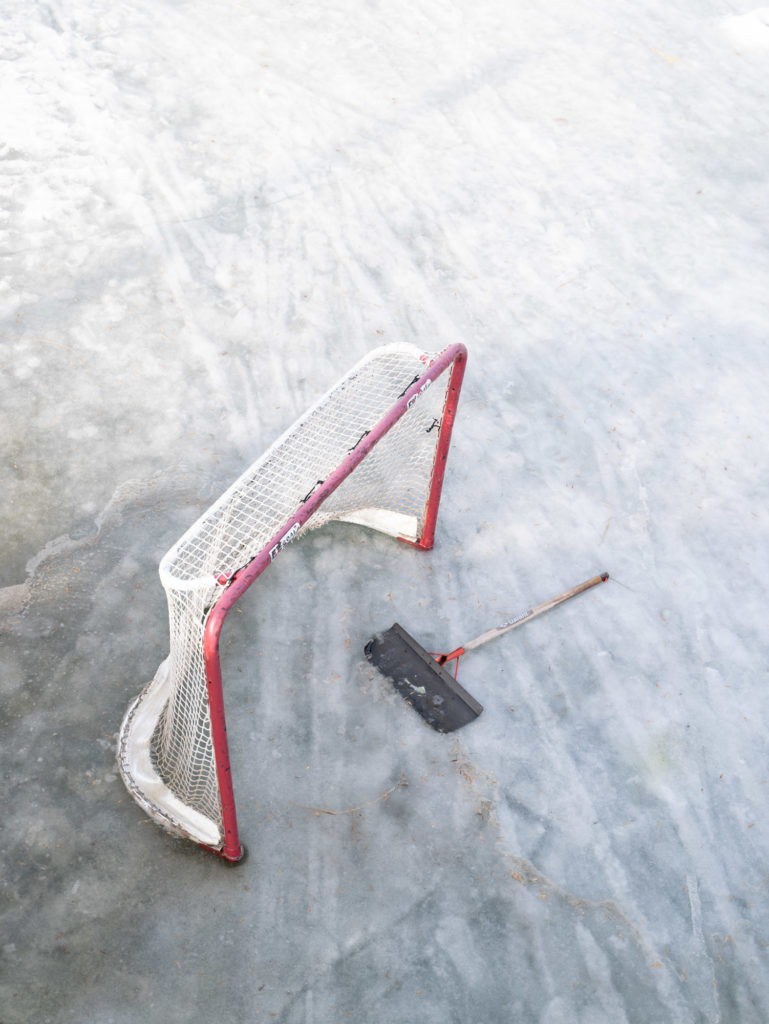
{"x": 420, "y": 677}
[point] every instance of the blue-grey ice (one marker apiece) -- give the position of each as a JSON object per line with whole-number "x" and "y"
{"x": 210, "y": 212}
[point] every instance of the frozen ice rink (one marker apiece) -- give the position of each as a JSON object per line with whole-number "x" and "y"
{"x": 210, "y": 211}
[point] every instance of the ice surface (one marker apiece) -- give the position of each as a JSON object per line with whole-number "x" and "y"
{"x": 211, "y": 211}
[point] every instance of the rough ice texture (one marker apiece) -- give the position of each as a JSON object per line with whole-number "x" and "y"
{"x": 211, "y": 211}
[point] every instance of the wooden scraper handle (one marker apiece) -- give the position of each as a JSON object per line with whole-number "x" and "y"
{"x": 519, "y": 620}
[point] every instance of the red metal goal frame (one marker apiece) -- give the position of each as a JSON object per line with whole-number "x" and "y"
{"x": 237, "y": 584}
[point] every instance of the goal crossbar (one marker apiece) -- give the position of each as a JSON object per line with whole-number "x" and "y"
{"x": 372, "y": 451}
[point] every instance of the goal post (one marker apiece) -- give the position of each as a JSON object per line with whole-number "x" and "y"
{"x": 371, "y": 451}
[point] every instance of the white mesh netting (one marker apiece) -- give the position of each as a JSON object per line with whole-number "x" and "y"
{"x": 166, "y": 754}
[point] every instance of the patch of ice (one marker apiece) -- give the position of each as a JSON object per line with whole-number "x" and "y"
{"x": 748, "y": 32}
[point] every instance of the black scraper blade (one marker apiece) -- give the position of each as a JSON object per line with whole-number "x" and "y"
{"x": 424, "y": 684}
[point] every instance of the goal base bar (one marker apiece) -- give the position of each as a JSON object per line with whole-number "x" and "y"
{"x": 237, "y": 857}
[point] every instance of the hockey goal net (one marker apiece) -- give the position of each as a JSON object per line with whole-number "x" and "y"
{"x": 371, "y": 451}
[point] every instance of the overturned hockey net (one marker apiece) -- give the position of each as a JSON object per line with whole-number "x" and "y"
{"x": 372, "y": 451}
